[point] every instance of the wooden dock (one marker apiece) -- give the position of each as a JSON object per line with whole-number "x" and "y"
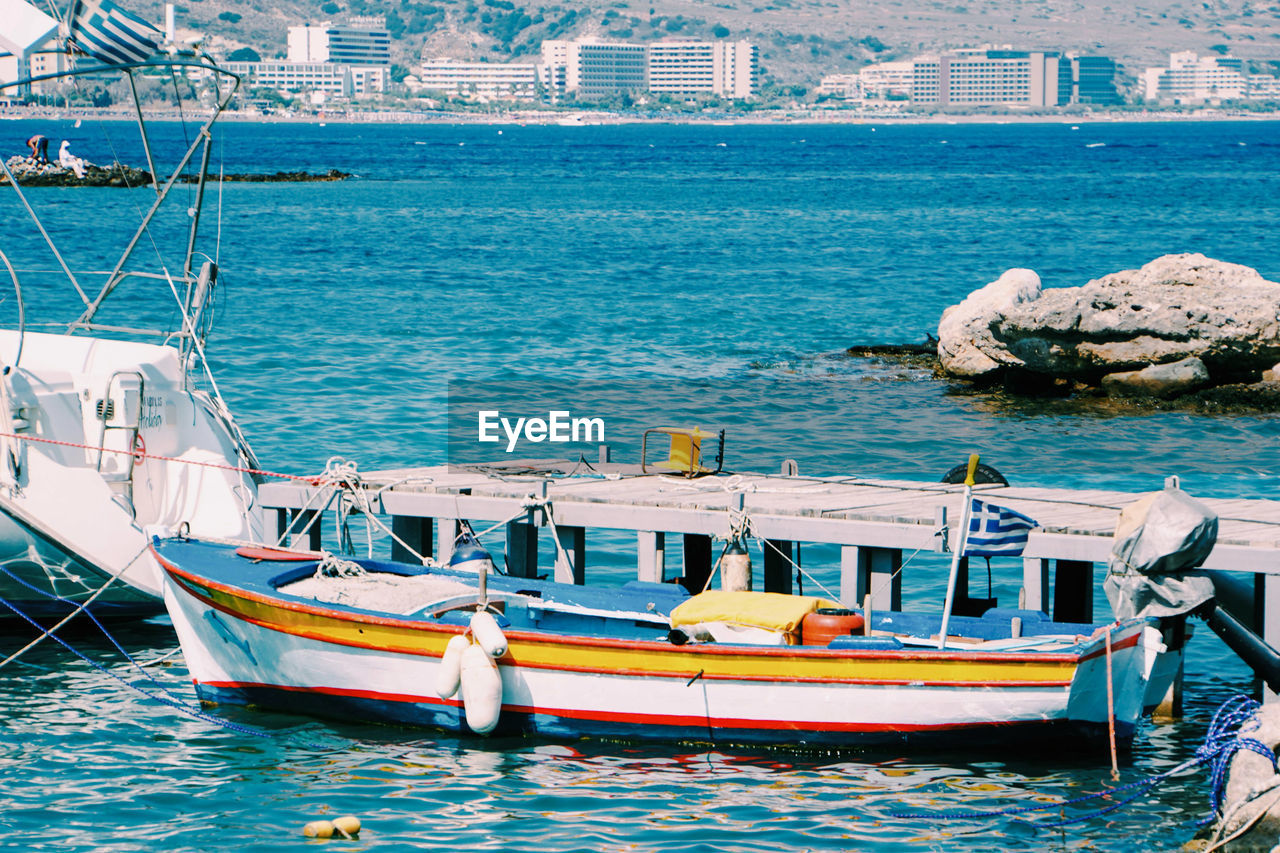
{"x": 872, "y": 521}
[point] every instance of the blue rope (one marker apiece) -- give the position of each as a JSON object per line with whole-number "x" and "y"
{"x": 53, "y": 596}
{"x": 1222, "y": 741}
{"x": 164, "y": 697}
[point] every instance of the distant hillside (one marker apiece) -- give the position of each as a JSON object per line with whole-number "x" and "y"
{"x": 799, "y": 40}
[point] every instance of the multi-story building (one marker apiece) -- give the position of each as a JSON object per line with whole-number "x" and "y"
{"x": 845, "y": 86}
{"x": 1263, "y": 87}
{"x": 887, "y": 80}
{"x": 1192, "y": 79}
{"x": 487, "y": 80}
{"x": 983, "y": 76}
{"x": 329, "y": 78}
{"x": 691, "y": 67}
{"x": 593, "y": 68}
{"x": 1093, "y": 80}
{"x": 926, "y": 80}
{"x": 363, "y": 41}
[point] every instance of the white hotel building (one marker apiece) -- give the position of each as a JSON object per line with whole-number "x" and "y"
{"x": 688, "y": 67}
{"x": 344, "y": 81}
{"x": 591, "y": 68}
{"x": 349, "y": 61}
{"x": 363, "y": 41}
{"x": 482, "y": 80}
{"x": 1192, "y": 79}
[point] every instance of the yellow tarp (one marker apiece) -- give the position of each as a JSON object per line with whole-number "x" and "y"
{"x": 772, "y": 611}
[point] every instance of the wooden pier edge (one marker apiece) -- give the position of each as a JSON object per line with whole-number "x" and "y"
{"x": 872, "y": 521}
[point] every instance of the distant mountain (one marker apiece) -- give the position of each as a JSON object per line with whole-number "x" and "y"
{"x": 799, "y": 40}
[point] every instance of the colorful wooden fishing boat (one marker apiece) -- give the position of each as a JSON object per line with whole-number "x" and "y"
{"x": 644, "y": 661}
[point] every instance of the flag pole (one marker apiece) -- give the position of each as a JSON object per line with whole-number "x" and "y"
{"x": 965, "y": 513}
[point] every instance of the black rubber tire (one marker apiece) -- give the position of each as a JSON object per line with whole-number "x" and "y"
{"x": 981, "y": 474}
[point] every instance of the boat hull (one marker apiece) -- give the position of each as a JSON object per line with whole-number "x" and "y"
{"x": 43, "y": 579}
{"x": 247, "y": 648}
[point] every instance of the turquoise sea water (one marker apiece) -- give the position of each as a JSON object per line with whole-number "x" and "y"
{"x": 730, "y": 264}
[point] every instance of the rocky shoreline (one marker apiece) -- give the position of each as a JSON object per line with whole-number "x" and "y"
{"x": 29, "y": 173}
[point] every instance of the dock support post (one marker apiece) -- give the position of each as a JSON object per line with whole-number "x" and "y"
{"x": 290, "y": 524}
{"x": 522, "y": 549}
{"x": 1267, "y": 605}
{"x": 884, "y": 577}
{"x": 447, "y": 530}
{"x": 871, "y": 571}
{"x": 416, "y": 533}
{"x": 777, "y": 566}
{"x": 851, "y": 583}
{"x": 1175, "y": 637}
{"x": 1073, "y": 591}
{"x": 651, "y": 556}
{"x": 569, "y": 556}
{"x": 1035, "y": 582}
{"x": 697, "y": 561}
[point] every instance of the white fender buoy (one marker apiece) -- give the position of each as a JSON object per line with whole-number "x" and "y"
{"x": 450, "y": 672}
{"x": 735, "y": 568}
{"x": 481, "y": 690}
{"x": 488, "y": 635}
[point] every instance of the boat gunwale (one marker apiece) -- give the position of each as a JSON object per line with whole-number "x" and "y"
{"x": 422, "y": 626}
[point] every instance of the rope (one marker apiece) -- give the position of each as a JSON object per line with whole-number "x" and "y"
{"x": 79, "y": 608}
{"x": 336, "y": 567}
{"x": 1222, "y": 741}
{"x": 163, "y": 697}
{"x": 311, "y": 481}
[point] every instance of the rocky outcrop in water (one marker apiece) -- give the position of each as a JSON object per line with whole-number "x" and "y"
{"x": 30, "y": 173}
{"x": 1177, "y": 325}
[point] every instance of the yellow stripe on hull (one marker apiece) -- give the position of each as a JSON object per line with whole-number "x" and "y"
{"x": 640, "y": 658}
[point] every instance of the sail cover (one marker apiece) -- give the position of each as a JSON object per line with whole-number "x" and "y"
{"x": 1159, "y": 539}
{"x": 108, "y": 33}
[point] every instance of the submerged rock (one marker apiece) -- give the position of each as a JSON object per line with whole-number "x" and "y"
{"x": 1219, "y": 321}
{"x": 1159, "y": 380}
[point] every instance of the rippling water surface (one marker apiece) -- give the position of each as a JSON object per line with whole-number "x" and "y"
{"x": 734, "y": 262}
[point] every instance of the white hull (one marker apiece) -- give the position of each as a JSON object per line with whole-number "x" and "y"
{"x": 74, "y": 517}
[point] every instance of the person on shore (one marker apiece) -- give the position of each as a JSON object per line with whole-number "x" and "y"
{"x": 69, "y": 161}
{"x": 39, "y": 145}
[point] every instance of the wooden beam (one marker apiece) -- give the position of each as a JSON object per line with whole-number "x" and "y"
{"x": 1072, "y": 591}
{"x": 778, "y": 571}
{"x": 522, "y": 550}
{"x": 697, "y": 562}
{"x": 571, "y": 555}
{"x": 1035, "y": 583}
{"x": 651, "y": 556}
{"x": 416, "y": 533}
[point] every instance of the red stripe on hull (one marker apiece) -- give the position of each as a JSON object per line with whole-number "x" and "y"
{"x": 668, "y": 720}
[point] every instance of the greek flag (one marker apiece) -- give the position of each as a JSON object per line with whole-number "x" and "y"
{"x": 108, "y": 33}
{"x": 995, "y": 531}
